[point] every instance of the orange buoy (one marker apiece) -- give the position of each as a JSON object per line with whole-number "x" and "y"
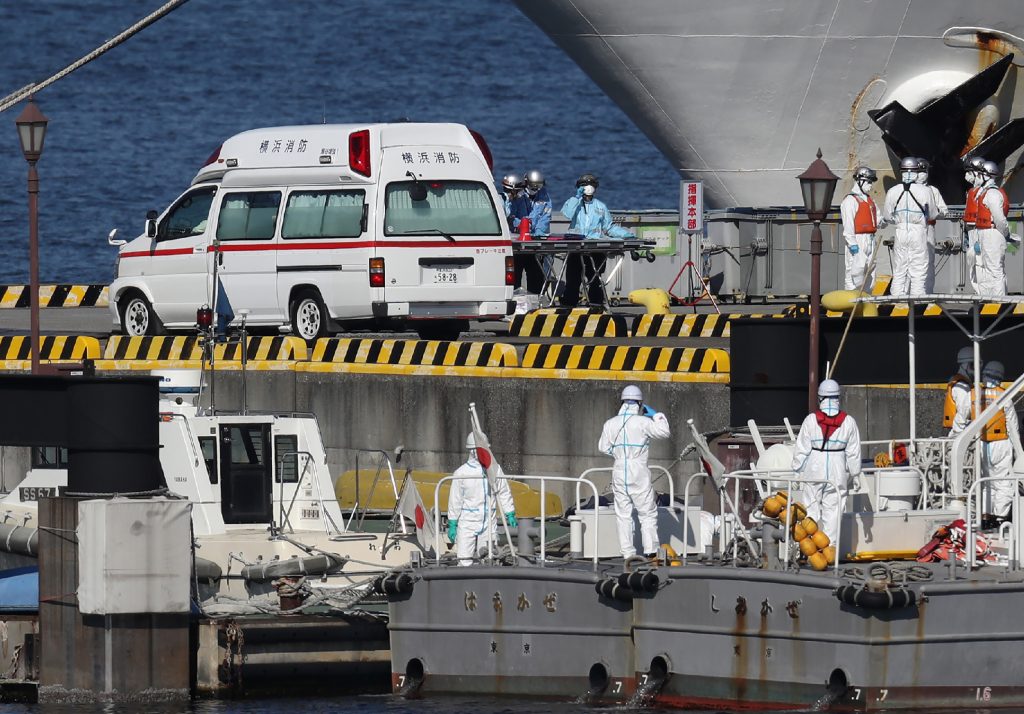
{"x": 818, "y": 561}
{"x": 807, "y": 547}
{"x": 799, "y": 533}
{"x": 772, "y": 507}
{"x": 821, "y": 540}
{"x": 809, "y": 525}
{"x": 830, "y": 553}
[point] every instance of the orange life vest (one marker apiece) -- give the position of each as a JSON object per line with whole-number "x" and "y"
{"x": 949, "y": 410}
{"x": 995, "y": 430}
{"x": 984, "y": 219}
{"x": 866, "y": 219}
{"x": 971, "y": 207}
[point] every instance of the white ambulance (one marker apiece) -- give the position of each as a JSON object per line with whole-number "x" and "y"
{"x": 313, "y": 227}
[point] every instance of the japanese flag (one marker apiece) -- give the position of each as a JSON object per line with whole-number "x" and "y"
{"x": 411, "y": 507}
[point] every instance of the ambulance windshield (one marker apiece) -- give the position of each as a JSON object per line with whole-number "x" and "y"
{"x": 457, "y": 208}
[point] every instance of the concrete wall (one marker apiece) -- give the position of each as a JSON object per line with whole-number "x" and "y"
{"x": 536, "y": 426}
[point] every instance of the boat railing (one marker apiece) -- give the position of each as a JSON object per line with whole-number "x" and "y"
{"x": 383, "y": 462}
{"x": 663, "y": 473}
{"x": 285, "y": 514}
{"x": 974, "y": 510}
{"x": 544, "y": 480}
{"x": 731, "y": 517}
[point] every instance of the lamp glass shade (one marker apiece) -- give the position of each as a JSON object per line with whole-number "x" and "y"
{"x": 818, "y": 186}
{"x": 31, "y": 131}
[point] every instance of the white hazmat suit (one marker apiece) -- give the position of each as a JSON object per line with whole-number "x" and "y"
{"x": 940, "y": 209}
{"x": 992, "y": 234}
{"x": 626, "y": 437}
{"x": 909, "y": 208}
{"x": 471, "y": 503}
{"x": 860, "y": 221}
{"x": 970, "y": 218}
{"x": 833, "y": 462}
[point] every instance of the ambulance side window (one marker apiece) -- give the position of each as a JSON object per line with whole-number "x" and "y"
{"x": 324, "y": 214}
{"x": 189, "y": 215}
{"x": 249, "y": 216}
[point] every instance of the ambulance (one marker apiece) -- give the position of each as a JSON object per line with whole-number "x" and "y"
{"x": 309, "y": 228}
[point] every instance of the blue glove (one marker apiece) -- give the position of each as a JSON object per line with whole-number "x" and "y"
{"x": 648, "y": 411}
{"x": 854, "y": 249}
{"x": 977, "y": 247}
{"x": 453, "y": 526}
{"x": 579, "y": 192}
{"x": 511, "y": 518}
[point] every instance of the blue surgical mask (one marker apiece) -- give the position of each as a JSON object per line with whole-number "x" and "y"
{"x": 909, "y": 176}
{"x": 830, "y": 406}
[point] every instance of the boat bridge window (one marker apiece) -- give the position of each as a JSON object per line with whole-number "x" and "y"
{"x": 247, "y": 444}
{"x": 286, "y": 470}
{"x": 49, "y": 457}
{"x": 208, "y": 444}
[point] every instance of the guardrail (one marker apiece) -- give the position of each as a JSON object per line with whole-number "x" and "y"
{"x": 579, "y": 481}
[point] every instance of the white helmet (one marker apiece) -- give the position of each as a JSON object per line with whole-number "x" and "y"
{"x": 632, "y": 393}
{"x": 470, "y": 440}
{"x": 828, "y": 388}
{"x": 991, "y": 170}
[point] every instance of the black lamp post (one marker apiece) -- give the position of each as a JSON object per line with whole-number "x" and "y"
{"x": 818, "y": 184}
{"x": 31, "y": 131}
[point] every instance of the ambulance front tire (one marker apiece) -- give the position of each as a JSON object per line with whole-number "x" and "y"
{"x": 138, "y": 318}
{"x": 309, "y": 315}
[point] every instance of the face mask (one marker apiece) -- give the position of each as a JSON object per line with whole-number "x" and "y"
{"x": 922, "y": 178}
{"x": 909, "y": 176}
{"x": 588, "y": 191}
{"x": 865, "y": 187}
{"x": 830, "y": 406}
{"x": 969, "y": 177}
{"x": 531, "y": 192}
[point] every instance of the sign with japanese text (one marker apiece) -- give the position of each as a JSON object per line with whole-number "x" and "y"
{"x": 691, "y": 207}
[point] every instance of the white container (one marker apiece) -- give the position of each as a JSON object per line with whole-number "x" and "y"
{"x": 898, "y": 490}
{"x": 134, "y": 556}
{"x": 671, "y": 526}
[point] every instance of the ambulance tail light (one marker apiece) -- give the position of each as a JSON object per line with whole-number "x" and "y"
{"x": 510, "y": 270}
{"x": 213, "y": 157}
{"x": 359, "y": 152}
{"x": 484, "y": 149}
{"x": 376, "y": 272}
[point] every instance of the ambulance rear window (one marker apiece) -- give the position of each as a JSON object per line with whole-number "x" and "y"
{"x": 248, "y": 216}
{"x": 458, "y": 208}
{"x": 324, "y": 214}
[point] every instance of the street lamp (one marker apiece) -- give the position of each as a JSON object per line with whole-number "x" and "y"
{"x": 817, "y": 184}
{"x": 31, "y": 131}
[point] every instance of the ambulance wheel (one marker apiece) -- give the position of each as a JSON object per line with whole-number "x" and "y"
{"x": 309, "y": 315}
{"x": 448, "y": 330}
{"x": 138, "y": 317}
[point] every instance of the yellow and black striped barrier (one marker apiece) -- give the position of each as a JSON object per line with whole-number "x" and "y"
{"x": 166, "y": 351}
{"x": 627, "y": 359}
{"x": 419, "y": 353}
{"x": 705, "y": 325}
{"x": 902, "y": 310}
{"x": 61, "y": 295}
{"x": 16, "y": 350}
{"x": 577, "y": 322}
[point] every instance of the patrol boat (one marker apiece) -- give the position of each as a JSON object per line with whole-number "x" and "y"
{"x": 263, "y": 504}
{"x": 763, "y": 618}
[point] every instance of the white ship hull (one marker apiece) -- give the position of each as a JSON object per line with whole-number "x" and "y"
{"x": 742, "y": 93}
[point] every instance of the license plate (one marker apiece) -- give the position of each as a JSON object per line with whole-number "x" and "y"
{"x": 448, "y": 276}
{"x": 34, "y": 493}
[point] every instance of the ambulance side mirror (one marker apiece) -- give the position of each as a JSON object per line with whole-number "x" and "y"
{"x": 151, "y": 217}
{"x": 112, "y": 239}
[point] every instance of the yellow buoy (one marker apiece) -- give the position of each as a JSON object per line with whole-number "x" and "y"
{"x": 830, "y": 553}
{"x": 843, "y": 301}
{"x": 772, "y": 507}
{"x": 821, "y": 540}
{"x": 799, "y": 533}
{"x": 809, "y": 525}
{"x": 818, "y": 561}
{"x": 782, "y": 496}
{"x": 807, "y": 547}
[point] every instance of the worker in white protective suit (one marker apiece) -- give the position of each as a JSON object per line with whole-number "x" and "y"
{"x": 472, "y": 514}
{"x": 908, "y": 207}
{"x": 940, "y": 209}
{"x": 974, "y": 177}
{"x": 993, "y": 232}
{"x": 860, "y": 221}
{"x": 626, "y": 437}
{"x": 996, "y": 441}
{"x": 827, "y": 450}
